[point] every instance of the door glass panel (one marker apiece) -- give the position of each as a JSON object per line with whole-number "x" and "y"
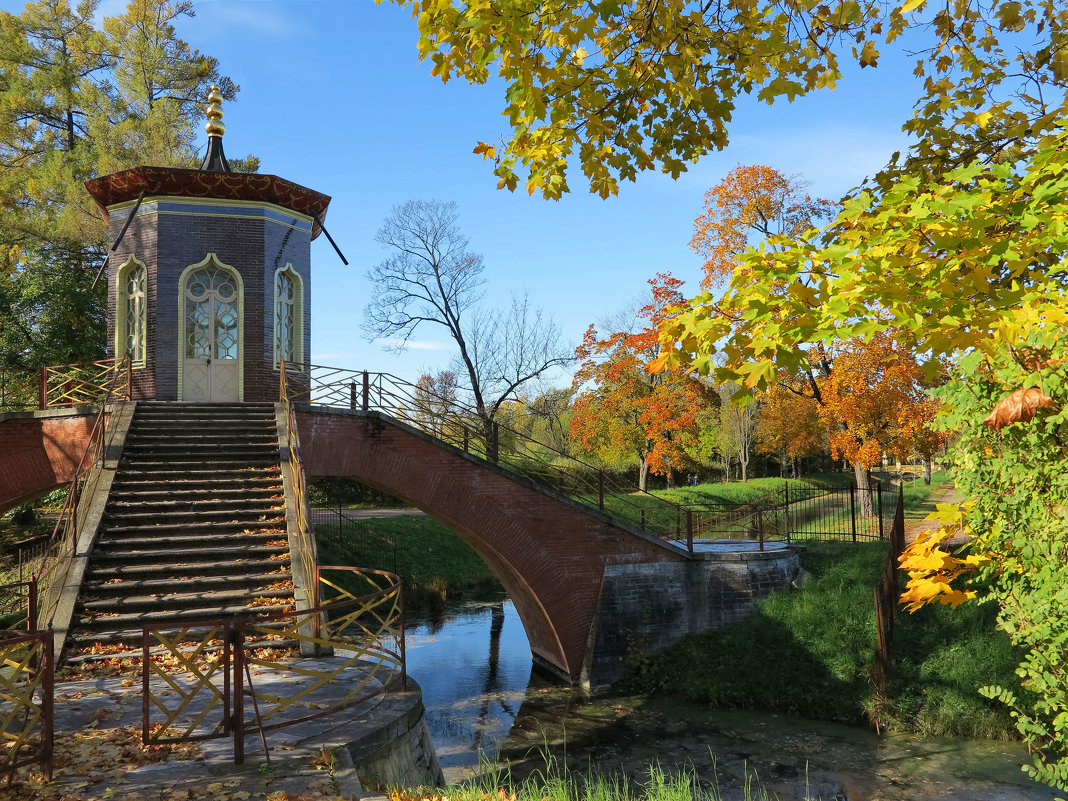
{"x": 197, "y": 330}
{"x": 225, "y": 330}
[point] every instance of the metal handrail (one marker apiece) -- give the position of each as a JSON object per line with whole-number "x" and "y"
{"x": 305, "y": 536}
{"x": 459, "y": 425}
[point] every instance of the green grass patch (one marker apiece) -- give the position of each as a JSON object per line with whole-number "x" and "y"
{"x": 810, "y": 652}
{"x": 433, "y": 561}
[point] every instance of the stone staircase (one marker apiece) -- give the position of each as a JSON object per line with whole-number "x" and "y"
{"x": 194, "y": 527}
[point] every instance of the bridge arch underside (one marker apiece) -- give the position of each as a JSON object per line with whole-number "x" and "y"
{"x": 39, "y": 451}
{"x": 548, "y": 554}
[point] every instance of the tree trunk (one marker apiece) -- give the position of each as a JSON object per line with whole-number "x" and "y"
{"x": 643, "y": 474}
{"x": 863, "y": 476}
{"x": 743, "y": 463}
{"x": 927, "y": 472}
{"x": 670, "y": 475}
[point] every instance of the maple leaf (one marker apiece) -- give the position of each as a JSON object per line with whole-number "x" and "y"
{"x": 1019, "y": 406}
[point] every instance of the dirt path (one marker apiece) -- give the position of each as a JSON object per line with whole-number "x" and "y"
{"x": 915, "y": 522}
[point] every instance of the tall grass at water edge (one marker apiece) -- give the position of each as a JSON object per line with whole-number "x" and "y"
{"x": 556, "y": 783}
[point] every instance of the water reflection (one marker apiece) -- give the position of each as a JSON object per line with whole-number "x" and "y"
{"x": 474, "y": 668}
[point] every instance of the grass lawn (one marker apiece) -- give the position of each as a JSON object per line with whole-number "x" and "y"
{"x": 810, "y": 651}
{"x": 433, "y": 561}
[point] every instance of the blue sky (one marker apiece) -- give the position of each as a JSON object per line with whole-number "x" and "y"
{"x": 333, "y": 96}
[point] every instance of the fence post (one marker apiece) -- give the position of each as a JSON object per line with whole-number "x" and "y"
{"x": 31, "y": 605}
{"x": 42, "y": 390}
{"x": 689, "y": 530}
{"x": 600, "y": 490}
{"x": 853, "y": 510}
{"x": 786, "y": 508}
{"x": 238, "y": 716}
{"x": 879, "y": 495}
{"x": 466, "y": 442}
{"x": 129, "y": 375}
{"x": 366, "y": 391}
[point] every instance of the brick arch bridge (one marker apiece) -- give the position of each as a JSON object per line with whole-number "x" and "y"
{"x": 549, "y": 552}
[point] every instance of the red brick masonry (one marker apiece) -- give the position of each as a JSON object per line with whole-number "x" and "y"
{"x": 38, "y": 452}
{"x": 549, "y": 554}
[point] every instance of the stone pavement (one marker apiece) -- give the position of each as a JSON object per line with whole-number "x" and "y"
{"x": 311, "y": 759}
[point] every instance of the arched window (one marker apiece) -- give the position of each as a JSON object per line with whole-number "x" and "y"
{"x": 287, "y": 317}
{"x": 131, "y": 301}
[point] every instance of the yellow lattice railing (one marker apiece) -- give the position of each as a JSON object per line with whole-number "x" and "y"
{"x": 83, "y": 384}
{"x": 185, "y": 676}
{"x": 26, "y": 686}
{"x": 199, "y": 681}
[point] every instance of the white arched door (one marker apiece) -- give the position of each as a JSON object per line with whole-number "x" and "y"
{"x": 212, "y": 336}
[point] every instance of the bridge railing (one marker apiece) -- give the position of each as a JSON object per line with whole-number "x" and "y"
{"x": 86, "y": 383}
{"x": 450, "y": 420}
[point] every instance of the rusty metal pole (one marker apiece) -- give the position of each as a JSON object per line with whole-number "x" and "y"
{"x": 689, "y": 530}
{"x": 42, "y": 390}
{"x": 760, "y": 526}
{"x": 239, "y": 696}
{"x": 467, "y": 442}
{"x": 853, "y": 510}
{"x": 600, "y": 490}
{"x": 366, "y": 391}
{"x": 31, "y": 605}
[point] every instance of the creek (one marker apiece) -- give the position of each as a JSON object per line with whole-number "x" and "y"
{"x": 483, "y": 699}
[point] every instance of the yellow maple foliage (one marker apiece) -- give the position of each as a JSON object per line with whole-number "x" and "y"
{"x": 932, "y": 567}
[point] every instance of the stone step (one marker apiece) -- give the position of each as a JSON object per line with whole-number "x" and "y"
{"x": 179, "y": 570}
{"x": 198, "y": 466}
{"x": 182, "y": 583}
{"x": 229, "y": 450}
{"x": 180, "y": 601}
{"x": 134, "y": 620}
{"x": 201, "y": 442}
{"x": 169, "y": 407}
{"x": 189, "y": 559}
{"x": 79, "y": 644}
{"x": 150, "y": 543}
{"x": 193, "y": 477}
{"x": 167, "y": 493}
{"x": 192, "y": 511}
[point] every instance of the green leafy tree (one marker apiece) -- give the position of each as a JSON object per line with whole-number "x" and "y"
{"x": 80, "y": 101}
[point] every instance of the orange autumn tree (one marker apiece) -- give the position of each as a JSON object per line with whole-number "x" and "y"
{"x": 623, "y": 411}
{"x": 753, "y": 200}
{"x": 874, "y": 401}
{"x": 790, "y": 426}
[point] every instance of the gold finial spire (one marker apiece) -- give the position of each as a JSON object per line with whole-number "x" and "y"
{"x": 214, "y": 109}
